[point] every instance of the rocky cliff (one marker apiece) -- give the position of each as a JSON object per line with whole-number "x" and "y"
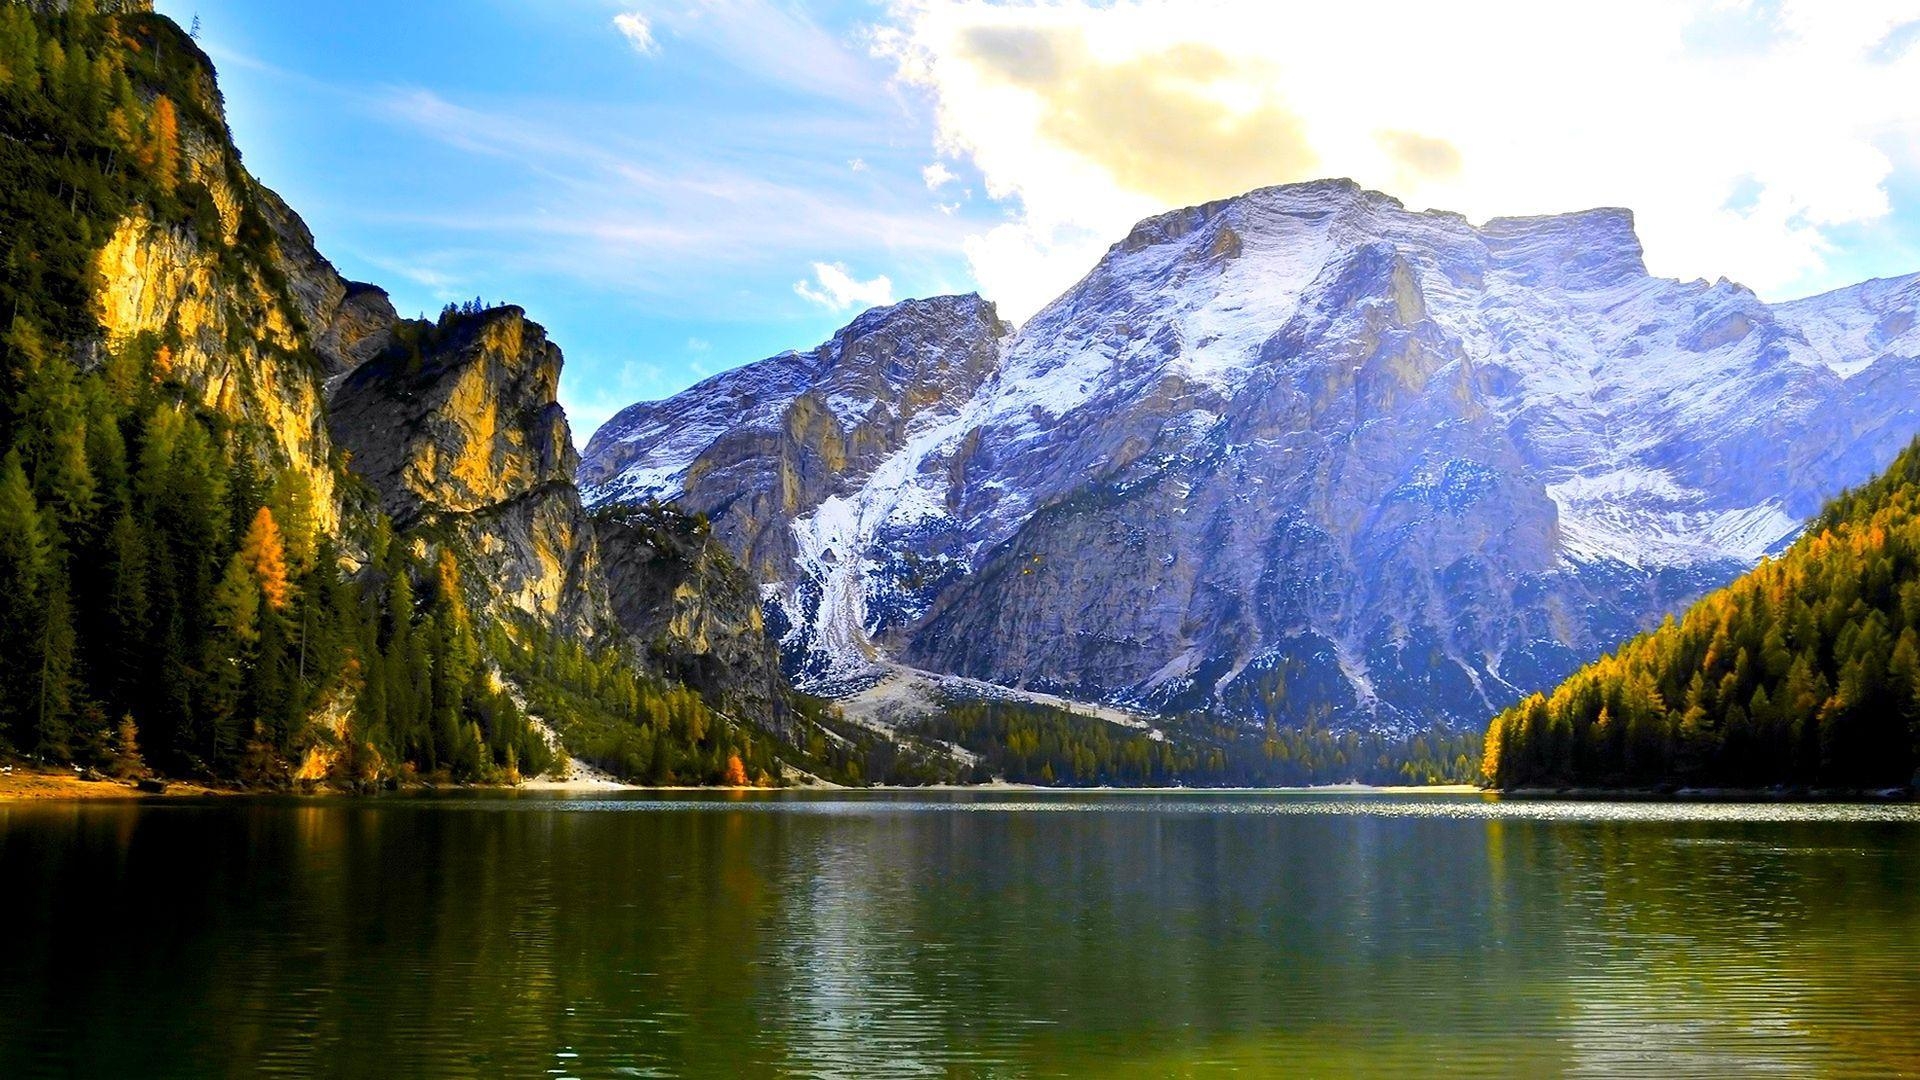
{"x": 195, "y": 407}
{"x": 457, "y": 428}
{"x": 1307, "y": 455}
{"x": 759, "y": 448}
{"x": 690, "y": 609}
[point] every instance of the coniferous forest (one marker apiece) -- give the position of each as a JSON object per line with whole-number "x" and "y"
{"x": 1804, "y": 673}
{"x": 1032, "y": 743}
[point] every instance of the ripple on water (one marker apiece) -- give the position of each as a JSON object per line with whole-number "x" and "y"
{"x": 1461, "y": 807}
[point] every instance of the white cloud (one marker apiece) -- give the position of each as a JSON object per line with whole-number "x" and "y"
{"x": 836, "y": 289}
{"x": 1086, "y": 115}
{"x": 638, "y": 31}
{"x": 937, "y": 176}
{"x": 857, "y": 164}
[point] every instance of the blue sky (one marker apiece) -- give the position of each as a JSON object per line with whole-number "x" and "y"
{"x": 674, "y": 188}
{"x": 654, "y": 211}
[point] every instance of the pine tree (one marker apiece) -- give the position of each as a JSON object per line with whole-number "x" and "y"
{"x": 24, "y": 560}
{"x": 127, "y": 763}
{"x": 161, "y": 155}
{"x": 57, "y": 690}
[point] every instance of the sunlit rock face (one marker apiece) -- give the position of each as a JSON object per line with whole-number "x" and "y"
{"x": 1302, "y": 455}
{"x": 456, "y": 427}
{"x": 453, "y": 429}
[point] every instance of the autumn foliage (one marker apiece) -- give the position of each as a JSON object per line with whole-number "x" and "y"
{"x": 265, "y": 556}
{"x": 1805, "y": 672}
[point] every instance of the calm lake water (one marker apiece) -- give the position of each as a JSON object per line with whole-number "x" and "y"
{"x": 957, "y": 934}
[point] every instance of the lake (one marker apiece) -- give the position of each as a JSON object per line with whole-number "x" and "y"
{"x": 957, "y": 934}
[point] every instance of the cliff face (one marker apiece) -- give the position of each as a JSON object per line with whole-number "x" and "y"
{"x": 757, "y": 447}
{"x": 690, "y": 610}
{"x": 237, "y": 328}
{"x": 454, "y": 427}
{"x": 457, "y": 429}
{"x": 761, "y": 448}
{"x": 223, "y": 408}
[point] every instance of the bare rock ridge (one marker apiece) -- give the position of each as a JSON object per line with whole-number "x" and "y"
{"x": 1300, "y": 455}
{"x": 691, "y": 611}
{"x": 755, "y": 447}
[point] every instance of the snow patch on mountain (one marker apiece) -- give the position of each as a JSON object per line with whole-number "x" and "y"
{"x": 1640, "y": 517}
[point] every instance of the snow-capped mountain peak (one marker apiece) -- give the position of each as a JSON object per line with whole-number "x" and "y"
{"x": 1301, "y": 453}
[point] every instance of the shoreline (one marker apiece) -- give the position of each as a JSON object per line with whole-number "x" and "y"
{"x": 25, "y": 783}
{"x": 1712, "y": 794}
{"x": 52, "y": 784}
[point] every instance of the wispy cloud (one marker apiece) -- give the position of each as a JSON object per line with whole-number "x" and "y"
{"x": 638, "y": 31}
{"x": 781, "y": 43}
{"x": 836, "y": 289}
{"x": 670, "y": 217}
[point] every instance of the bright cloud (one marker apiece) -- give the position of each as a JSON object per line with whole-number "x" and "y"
{"x": 836, "y": 289}
{"x": 1741, "y": 133}
{"x": 937, "y": 176}
{"x": 638, "y": 31}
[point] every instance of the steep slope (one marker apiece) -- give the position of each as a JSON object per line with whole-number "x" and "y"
{"x": 254, "y": 526}
{"x": 758, "y": 448}
{"x": 1806, "y": 671}
{"x": 456, "y": 425}
{"x": 1304, "y": 454}
{"x": 692, "y": 611}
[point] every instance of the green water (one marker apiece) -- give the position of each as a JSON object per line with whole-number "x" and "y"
{"x": 958, "y": 935}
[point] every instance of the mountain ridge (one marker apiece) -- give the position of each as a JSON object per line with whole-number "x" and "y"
{"x": 1533, "y": 362}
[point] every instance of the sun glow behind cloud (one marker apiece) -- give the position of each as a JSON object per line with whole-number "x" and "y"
{"x": 1740, "y": 134}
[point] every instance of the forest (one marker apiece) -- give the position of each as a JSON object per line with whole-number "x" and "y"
{"x": 1031, "y": 743}
{"x": 1805, "y": 673}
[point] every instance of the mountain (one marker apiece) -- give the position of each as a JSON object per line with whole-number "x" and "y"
{"x": 1804, "y": 672}
{"x": 256, "y": 526}
{"x": 1302, "y": 456}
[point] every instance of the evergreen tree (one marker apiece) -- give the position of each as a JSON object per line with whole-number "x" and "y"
{"x": 24, "y": 561}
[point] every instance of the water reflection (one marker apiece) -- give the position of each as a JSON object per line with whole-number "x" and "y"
{"x": 967, "y": 934}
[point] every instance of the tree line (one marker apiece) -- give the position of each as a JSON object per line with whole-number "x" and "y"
{"x": 1803, "y": 673}
{"x": 1030, "y": 742}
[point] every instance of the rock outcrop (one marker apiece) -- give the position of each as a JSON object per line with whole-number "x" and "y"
{"x": 452, "y": 429}
{"x": 690, "y": 610}
{"x": 756, "y": 447}
{"x": 457, "y": 428}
